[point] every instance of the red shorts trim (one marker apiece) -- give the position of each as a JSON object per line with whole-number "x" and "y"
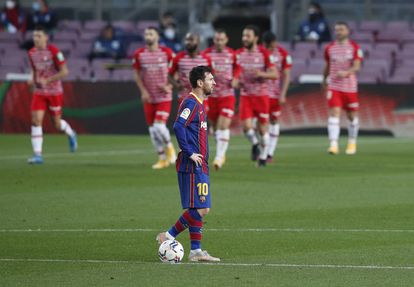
{"x": 255, "y": 107}
{"x": 347, "y": 101}
{"x": 52, "y": 103}
{"x": 157, "y": 112}
{"x": 221, "y": 107}
{"x": 275, "y": 109}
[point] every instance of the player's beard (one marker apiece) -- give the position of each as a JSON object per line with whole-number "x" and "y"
{"x": 208, "y": 92}
{"x": 248, "y": 45}
{"x": 191, "y": 49}
{"x": 149, "y": 43}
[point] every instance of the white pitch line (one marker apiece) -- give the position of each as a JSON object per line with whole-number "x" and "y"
{"x": 141, "y": 151}
{"x": 273, "y": 265}
{"x": 297, "y": 230}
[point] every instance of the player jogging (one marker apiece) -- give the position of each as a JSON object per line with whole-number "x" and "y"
{"x": 191, "y": 130}
{"x": 221, "y": 103}
{"x": 278, "y": 88}
{"x": 254, "y": 68}
{"x": 184, "y": 62}
{"x": 151, "y": 65}
{"x": 343, "y": 60}
{"x": 48, "y": 68}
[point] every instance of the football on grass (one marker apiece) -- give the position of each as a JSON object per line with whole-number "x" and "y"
{"x": 171, "y": 251}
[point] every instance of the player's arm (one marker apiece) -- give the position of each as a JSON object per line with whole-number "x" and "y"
{"x": 285, "y": 85}
{"x": 356, "y": 66}
{"x": 142, "y": 89}
{"x": 63, "y": 72}
{"x": 270, "y": 74}
{"x": 186, "y": 115}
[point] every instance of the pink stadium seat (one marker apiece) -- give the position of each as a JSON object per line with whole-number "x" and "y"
{"x": 407, "y": 37}
{"x": 315, "y": 67}
{"x": 94, "y": 25}
{"x": 371, "y": 26}
{"x": 362, "y": 37}
{"x": 68, "y": 25}
{"x": 127, "y": 26}
{"x": 391, "y": 47}
{"x": 398, "y": 26}
{"x": 133, "y": 46}
{"x": 400, "y": 79}
{"x": 142, "y": 25}
{"x": 89, "y": 36}
{"x": 7, "y": 37}
{"x": 66, "y": 36}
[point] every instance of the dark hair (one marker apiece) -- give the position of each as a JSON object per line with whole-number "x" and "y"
{"x": 221, "y": 30}
{"x": 342, "y": 23}
{"x": 268, "y": 37}
{"x": 153, "y": 28}
{"x": 254, "y": 28}
{"x": 198, "y": 73}
{"x": 40, "y": 28}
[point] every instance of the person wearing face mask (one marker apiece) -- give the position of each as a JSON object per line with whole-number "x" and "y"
{"x": 169, "y": 38}
{"x": 315, "y": 28}
{"x": 42, "y": 15}
{"x": 12, "y": 17}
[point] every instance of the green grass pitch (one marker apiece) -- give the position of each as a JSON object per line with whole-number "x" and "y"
{"x": 309, "y": 219}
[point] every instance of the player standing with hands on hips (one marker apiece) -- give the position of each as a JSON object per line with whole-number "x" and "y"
{"x": 191, "y": 130}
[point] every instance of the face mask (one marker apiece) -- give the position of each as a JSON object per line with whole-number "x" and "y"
{"x": 169, "y": 33}
{"x": 10, "y": 4}
{"x": 36, "y": 6}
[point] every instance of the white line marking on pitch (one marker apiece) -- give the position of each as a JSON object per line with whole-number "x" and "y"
{"x": 146, "y": 150}
{"x": 274, "y": 265}
{"x": 299, "y": 230}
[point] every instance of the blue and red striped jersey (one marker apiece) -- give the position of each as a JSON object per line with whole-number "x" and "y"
{"x": 191, "y": 131}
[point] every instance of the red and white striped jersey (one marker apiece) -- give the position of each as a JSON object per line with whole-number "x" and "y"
{"x": 45, "y": 64}
{"x": 223, "y": 64}
{"x": 153, "y": 67}
{"x": 183, "y": 63}
{"x": 248, "y": 63}
{"x": 340, "y": 57}
{"x": 283, "y": 61}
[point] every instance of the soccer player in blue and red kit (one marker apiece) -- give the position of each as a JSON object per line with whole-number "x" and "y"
{"x": 191, "y": 130}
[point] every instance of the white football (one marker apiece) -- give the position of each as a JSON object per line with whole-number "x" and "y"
{"x": 171, "y": 251}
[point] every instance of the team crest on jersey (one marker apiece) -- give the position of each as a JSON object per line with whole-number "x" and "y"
{"x": 203, "y": 125}
{"x": 202, "y": 199}
{"x": 60, "y": 56}
{"x": 185, "y": 113}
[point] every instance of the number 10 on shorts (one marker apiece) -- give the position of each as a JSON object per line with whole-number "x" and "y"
{"x": 202, "y": 189}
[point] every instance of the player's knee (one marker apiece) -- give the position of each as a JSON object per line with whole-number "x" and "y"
{"x": 204, "y": 211}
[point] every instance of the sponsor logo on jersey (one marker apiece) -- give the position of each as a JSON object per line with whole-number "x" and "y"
{"x": 60, "y": 57}
{"x": 185, "y": 113}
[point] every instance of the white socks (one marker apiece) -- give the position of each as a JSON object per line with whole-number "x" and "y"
{"x": 264, "y": 144}
{"x": 251, "y": 136}
{"x": 157, "y": 142}
{"x": 65, "y": 127}
{"x": 222, "y": 142}
{"x": 163, "y": 131}
{"x": 274, "y": 131}
{"x": 353, "y": 127}
{"x": 37, "y": 140}
{"x": 333, "y": 131}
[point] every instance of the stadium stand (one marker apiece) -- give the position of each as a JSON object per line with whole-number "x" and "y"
{"x": 388, "y": 46}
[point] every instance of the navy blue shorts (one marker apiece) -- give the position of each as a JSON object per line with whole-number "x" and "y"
{"x": 194, "y": 190}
